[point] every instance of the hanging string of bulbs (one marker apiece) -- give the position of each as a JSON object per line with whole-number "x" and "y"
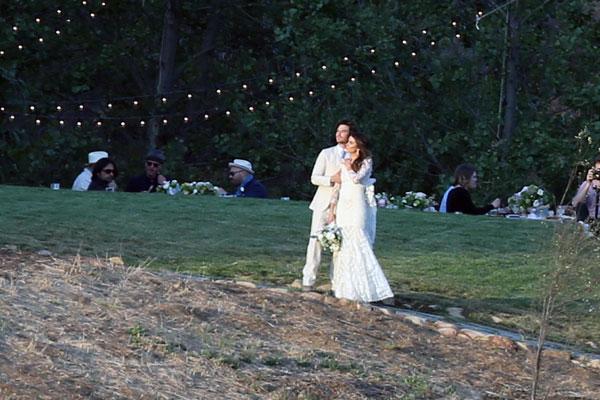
{"x": 97, "y": 112}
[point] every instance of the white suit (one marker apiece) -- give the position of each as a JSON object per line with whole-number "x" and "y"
{"x": 327, "y": 164}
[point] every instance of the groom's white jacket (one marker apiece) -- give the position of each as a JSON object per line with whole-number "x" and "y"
{"x": 327, "y": 164}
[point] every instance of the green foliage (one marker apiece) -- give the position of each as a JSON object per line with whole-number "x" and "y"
{"x": 424, "y": 115}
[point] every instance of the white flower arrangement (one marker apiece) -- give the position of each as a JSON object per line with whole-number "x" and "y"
{"x": 385, "y": 200}
{"x": 171, "y": 187}
{"x": 531, "y": 196}
{"x": 188, "y": 188}
{"x": 330, "y": 238}
{"x": 417, "y": 200}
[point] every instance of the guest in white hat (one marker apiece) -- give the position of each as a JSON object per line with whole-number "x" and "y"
{"x": 83, "y": 180}
{"x": 241, "y": 175}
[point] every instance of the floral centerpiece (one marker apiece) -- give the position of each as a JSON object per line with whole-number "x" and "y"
{"x": 385, "y": 200}
{"x": 417, "y": 200}
{"x": 330, "y": 238}
{"x": 531, "y": 196}
{"x": 199, "y": 188}
{"x": 171, "y": 187}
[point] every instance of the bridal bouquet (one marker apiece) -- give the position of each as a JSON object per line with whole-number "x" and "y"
{"x": 330, "y": 238}
{"x": 169, "y": 187}
{"x": 416, "y": 200}
{"x": 530, "y": 196}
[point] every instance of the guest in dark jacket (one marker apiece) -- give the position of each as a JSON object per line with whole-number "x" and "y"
{"x": 241, "y": 175}
{"x": 458, "y": 198}
{"x": 152, "y": 177}
{"x": 103, "y": 175}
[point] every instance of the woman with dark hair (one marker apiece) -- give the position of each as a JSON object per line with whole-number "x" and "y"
{"x": 457, "y": 197}
{"x": 103, "y": 175}
{"x": 585, "y": 198}
{"x": 357, "y": 274}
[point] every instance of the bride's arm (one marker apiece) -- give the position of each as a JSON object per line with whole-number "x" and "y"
{"x": 335, "y": 195}
{"x": 365, "y": 171}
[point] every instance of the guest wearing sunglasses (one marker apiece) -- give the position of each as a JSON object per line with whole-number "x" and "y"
{"x": 103, "y": 175}
{"x": 241, "y": 175}
{"x": 151, "y": 178}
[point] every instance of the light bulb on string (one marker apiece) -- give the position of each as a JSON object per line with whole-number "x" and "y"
{"x": 291, "y": 98}
{"x": 68, "y": 20}
{"x": 103, "y": 4}
{"x": 219, "y": 91}
{"x": 2, "y": 109}
{"x": 37, "y": 20}
{"x": 123, "y": 124}
{"x": 205, "y": 116}
{"x": 20, "y": 47}
{"x": 228, "y": 113}
{"x": 142, "y": 123}
{"x": 353, "y": 79}
{"x": 244, "y": 86}
{"x": 41, "y": 40}
{"x": 135, "y": 103}
{"x": 12, "y": 117}
{"x": 480, "y": 12}
{"x": 58, "y": 108}
{"x": 271, "y": 81}
{"x": 396, "y": 63}
{"x": 84, "y": 2}
{"x": 311, "y": 93}
{"x": 186, "y": 120}
{"x": 372, "y": 51}
{"x": 1, "y": 52}
{"x": 189, "y": 96}
{"x": 454, "y": 23}
{"x": 251, "y": 109}
{"x": 92, "y": 15}
{"x": 267, "y": 103}
{"x": 37, "y": 122}
{"x": 298, "y": 74}
{"x": 433, "y": 43}
{"x": 164, "y": 100}
{"x": 404, "y": 42}
{"x": 99, "y": 124}
{"x": 32, "y": 108}
{"x": 424, "y": 31}
{"x": 109, "y": 106}
{"x": 81, "y": 107}
{"x": 79, "y": 124}
{"x": 15, "y": 28}
{"x": 61, "y": 122}
{"x": 457, "y": 35}
{"x": 332, "y": 86}
{"x": 59, "y": 11}
{"x": 57, "y": 32}
{"x": 373, "y": 72}
{"x": 346, "y": 59}
{"x": 165, "y": 121}
{"x": 323, "y": 67}
{"x": 413, "y": 54}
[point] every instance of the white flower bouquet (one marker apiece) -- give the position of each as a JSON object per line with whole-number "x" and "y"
{"x": 330, "y": 238}
{"x": 417, "y": 200}
{"x": 531, "y": 196}
{"x": 171, "y": 187}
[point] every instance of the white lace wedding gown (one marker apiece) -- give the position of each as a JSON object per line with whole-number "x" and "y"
{"x": 356, "y": 273}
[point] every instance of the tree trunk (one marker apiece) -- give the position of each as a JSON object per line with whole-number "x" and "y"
{"x": 511, "y": 80}
{"x": 166, "y": 63}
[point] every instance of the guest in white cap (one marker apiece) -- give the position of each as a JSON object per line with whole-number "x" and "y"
{"x": 241, "y": 175}
{"x": 83, "y": 180}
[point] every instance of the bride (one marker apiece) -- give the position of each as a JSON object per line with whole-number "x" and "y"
{"x": 356, "y": 273}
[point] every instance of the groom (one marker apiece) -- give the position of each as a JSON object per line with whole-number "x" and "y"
{"x": 325, "y": 174}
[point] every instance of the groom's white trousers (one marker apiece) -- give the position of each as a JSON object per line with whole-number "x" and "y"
{"x": 313, "y": 251}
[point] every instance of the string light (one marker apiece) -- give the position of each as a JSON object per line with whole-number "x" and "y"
{"x": 267, "y": 103}
{"x": 271, "y": 81}
{"x": 165, "y": 121}
{"x": 135, "y": 103}
{"x": 99, "y": 124}
{"x": 186, "y": 120}
{"x": 59, "y": 11}
{"x": 424, "y": 31}
{"x": 92, "y": 15}
{"x": 244, "y": 86}
{"x": 37, "y": 122}
{"x": 404, "y": 42}
{"x": 37, "y": 20}
{"x": 61, "y": 122}
{"x": 458, "y": 35}
{"x": 205, "y": 116}
{"x": 41, "y": 40}
{"x": 15, "y": 28}
{"x": 32, "y": 108}
{"x": 228, "y": 113}
{"x": 454, "y": 23}
{"x": 346, "y": 59}
{"x": 396, "y": 63}
{"x": 372, "y": 51}
{"x": 251, "y": 109}
{"x": 373, "y": 72}
{"x": 123, "y": 124}
{"x": 413, "y": 54}
{"x": 109, "y": 105}
{"x": 298, "y": 74}
{"x": 57, "y": 32}
{"x": 291, "y": 98}
{"x": 164, "y": 100}
{"x": 189, "y": 96}
{"x": 12, "y": 117}
{"x": 218, "y": 91}
{"x": 353, "y": 79}
{"x": 324, "y": 67}
{"x": 20, "y": 47}
{"x": 311, "y": 93}
{"x": 58, "y": 108}
{"x": 433, "y": 43}
{"x": 79, "y": 124}
{"x": 332, "y": 86}
{"x": 142, "y": 123}
{"x": 81, "y": 107}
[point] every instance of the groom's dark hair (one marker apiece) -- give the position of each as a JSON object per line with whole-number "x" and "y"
{"x": 351, "y": 125}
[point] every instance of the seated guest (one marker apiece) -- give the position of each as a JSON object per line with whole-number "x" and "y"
{"x": 585, "y": 199}
{"x": 103, "y": 175}
{"x": 241, "y": 175}
{"x": 83, "y": 180}
{"x": 151, "y": 178}
{"x": 457, "y": 197}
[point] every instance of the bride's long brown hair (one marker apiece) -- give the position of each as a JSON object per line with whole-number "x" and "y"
{"x": 363, "y": 150}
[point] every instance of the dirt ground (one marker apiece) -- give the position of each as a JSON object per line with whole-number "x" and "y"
{"x": 89, "y": 329}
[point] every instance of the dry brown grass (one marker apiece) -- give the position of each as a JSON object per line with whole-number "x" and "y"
{"x": 90, "y": 329}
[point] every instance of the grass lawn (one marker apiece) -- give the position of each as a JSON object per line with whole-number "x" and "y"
{"x": 489, "y": 266}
